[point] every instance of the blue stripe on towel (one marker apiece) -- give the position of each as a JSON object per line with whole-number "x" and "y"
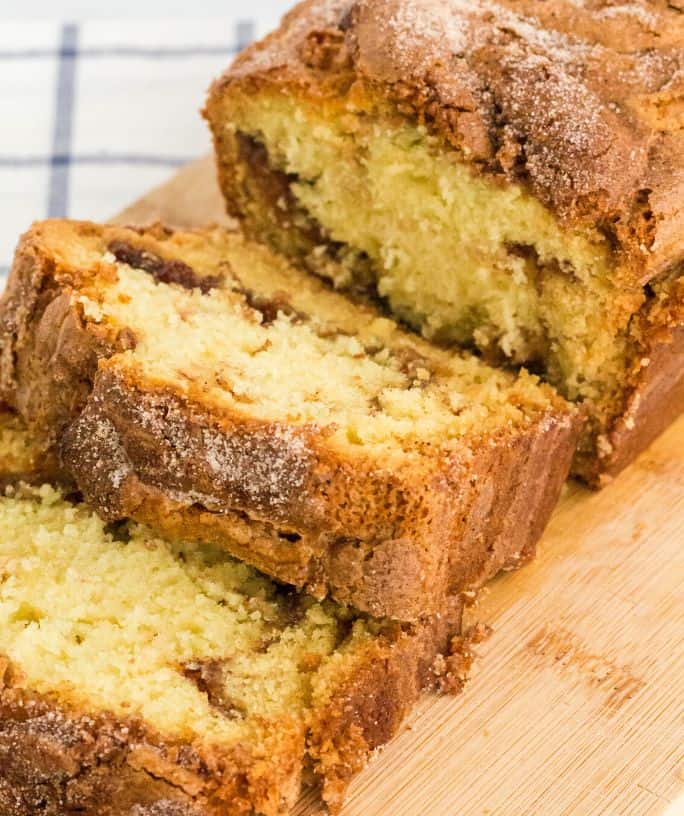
{"x": 138, "y": 51}
{"x": 58, "y": 184}
{"x": 244, "y": 34}
{"x": 94, "y": 159}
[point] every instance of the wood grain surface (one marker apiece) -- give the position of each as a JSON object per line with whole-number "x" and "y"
{"x": 576, "y": 702}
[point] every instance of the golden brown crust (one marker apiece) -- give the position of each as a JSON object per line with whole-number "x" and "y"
{"x": 57, "y": 760}
{"x": 390, "y": 539}
{"x": 656, "y": 394}
{"x": 580, "y": 102}
{"x": 44, "y": 343}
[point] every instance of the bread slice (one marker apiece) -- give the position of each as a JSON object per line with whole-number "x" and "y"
{"x": 197, "y": 383}
{"x": 140, "y": 677}
{"x": 506, "y": 175}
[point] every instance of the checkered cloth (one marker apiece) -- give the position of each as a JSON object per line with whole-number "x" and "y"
{"x": 96, "y": 113}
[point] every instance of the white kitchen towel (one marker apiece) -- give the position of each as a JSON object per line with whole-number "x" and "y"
{"x": 95, "y": 113}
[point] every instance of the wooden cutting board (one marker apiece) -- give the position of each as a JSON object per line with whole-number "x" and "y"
{"x": 576, "y": 702}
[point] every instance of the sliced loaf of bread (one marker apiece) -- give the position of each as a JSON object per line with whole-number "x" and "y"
{"x": 506, "y": 174}
{"x": 197, "y": 383}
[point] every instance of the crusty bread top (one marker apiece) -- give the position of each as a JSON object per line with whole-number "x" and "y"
{"x": 581, "y": 100}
